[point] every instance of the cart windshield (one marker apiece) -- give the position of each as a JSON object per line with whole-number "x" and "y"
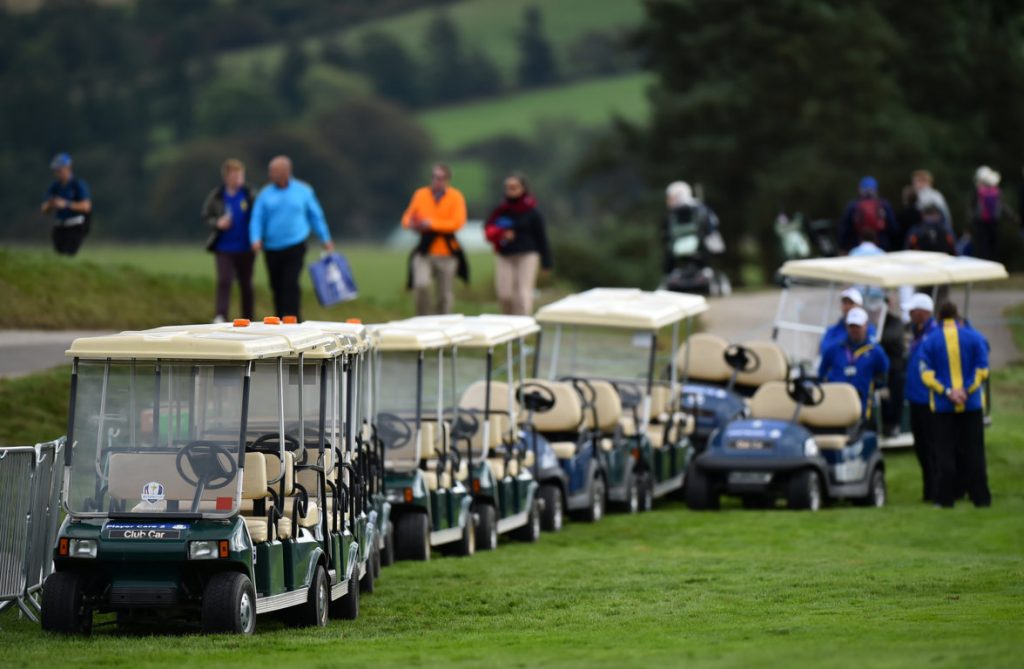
{"x": 594, "y": 352}
{"x": 156, "y": 438}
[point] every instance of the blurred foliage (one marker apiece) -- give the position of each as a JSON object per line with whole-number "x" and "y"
{"x": 537, "y": 64}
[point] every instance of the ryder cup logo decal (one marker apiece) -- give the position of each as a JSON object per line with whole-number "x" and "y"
{"x": 153, "y": 492}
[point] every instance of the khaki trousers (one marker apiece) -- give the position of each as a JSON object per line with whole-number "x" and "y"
{"x": 514, "y": 279}
{"x": 434, "y": 272}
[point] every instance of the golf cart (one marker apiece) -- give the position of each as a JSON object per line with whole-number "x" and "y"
{"x": 195, "y": 481}
{"x": 484, "y": 429}
{"x": 804, "y": 441}
{"x": 618, "y": 434}
{"x": 430, "y": 506}
{"x": 808, "y": 304}
{"x": 718, "y": 378}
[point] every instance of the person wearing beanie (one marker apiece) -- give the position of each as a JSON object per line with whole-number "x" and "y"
{"x": 869, "y": 212}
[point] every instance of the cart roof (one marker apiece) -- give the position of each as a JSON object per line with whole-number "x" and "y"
{"x": 418, "y": 335}
{"x": 623, "y": 308}
{"x": 900, "y": 268}
{"x": 524, "y": 325}
{"x": 482, "y": 331}
{"x": 356, "y": 336}
{"x": 202, "y": 342}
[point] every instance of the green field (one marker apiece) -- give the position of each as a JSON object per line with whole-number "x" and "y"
{"x": 589, "y": 103}
{"x": 488, "y": 25}
{"x": 904, "y": 586}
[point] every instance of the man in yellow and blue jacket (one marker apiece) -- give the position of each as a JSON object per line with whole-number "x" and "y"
{"x": 954, "y": 365}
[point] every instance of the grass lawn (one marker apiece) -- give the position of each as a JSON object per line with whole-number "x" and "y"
{"x": 904, "y": 586}
{"x": 588, "y": 103}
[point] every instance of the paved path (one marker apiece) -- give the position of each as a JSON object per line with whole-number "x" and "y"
{"x": 26, "y": 351}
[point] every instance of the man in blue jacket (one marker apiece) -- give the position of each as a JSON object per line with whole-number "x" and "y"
{"x": 856, "y": 360}
{"x": 954, "y": 367}
{"x": 836, "y": 333}
{"x": 920, "y": 308}
{"x": 69, "y": 200}
{"x": 284, "y": 214}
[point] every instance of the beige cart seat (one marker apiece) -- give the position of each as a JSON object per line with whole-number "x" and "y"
{"x": 839, "y": 411}
{"x": 774, "y": 365}
{"x": 706, "y": 359}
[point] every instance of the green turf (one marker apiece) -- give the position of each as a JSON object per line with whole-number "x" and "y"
{"x": 488, "y": 25}
{"x": 588, "y": 103}
{"x": 904, "y": 586}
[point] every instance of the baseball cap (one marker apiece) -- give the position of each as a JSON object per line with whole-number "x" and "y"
{"x": 921, "y": 301}
{"x": 853, "y": 295}
{"x": 856, "y": 316}
{"x": 60, "y": 160}
{"x": 869, "y": 183}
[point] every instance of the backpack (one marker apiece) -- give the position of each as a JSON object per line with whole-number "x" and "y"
{"x": 931, "y": 237}
{"x": 869, "y": 215}
{"x": 988, "y": 204}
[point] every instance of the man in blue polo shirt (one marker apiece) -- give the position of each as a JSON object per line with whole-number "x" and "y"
{"x": 285, "y": 213}
{"x": 856, "y": 360}
{"x": 836, "y": 333}
{"x": 954, "y": 367}
{"x": 69, "y": 200}
{"x": 920, "y": 307}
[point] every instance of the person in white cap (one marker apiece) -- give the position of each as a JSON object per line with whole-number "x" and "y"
{"x": 856, "y": 360}
{"x": 848, "y": 299}
{"x": 986, "y": 210}
{"x": 920, "y": 308}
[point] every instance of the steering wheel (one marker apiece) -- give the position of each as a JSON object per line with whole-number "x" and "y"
{"x": 467, "y": 424}
{"x": 742, "y": 359}
{"x": 393, "y": 430}
{"x": 207, "y": 461}
{"x": 805, "y": 391}
{"x": 629, "y": 393}
{"x": 539, "y": 398}
{"x": 260, "y": 445}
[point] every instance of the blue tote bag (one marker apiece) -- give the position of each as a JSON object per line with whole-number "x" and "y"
{"x": 333, "y": 280}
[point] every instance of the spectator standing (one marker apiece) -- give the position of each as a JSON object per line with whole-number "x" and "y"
{"x": 836, "y": 333}
{"x": 920, "y": 308}
{"x": 954, "y": 367}
{"x": 436, "y": 212}
{"x": 986, "y": 210}
{"x": 516, "y": 230}
{"x": 69, "y": 200}
{"x": 226, "y": 211}
{"x": 932, "y": 233}
{"x": 286, "y": 211}
{"x": 924, "y": 187}
{"x": 868, "y": 212}
{"x": 907, "y": 216}
{"x": 856, "y": 360}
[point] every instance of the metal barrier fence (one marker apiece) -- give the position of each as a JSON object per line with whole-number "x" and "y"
{"x": 30, "y": 483}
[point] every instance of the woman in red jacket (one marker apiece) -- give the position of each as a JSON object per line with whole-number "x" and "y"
{"x": 516, "y": 230}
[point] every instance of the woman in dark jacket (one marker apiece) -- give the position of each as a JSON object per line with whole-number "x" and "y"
{"x": 226, "y": 211}
{"x": 516, "y": 230}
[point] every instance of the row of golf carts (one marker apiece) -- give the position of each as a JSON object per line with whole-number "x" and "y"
{"x": 221, "y": 472}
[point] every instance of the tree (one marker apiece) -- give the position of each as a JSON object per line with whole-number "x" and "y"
{"x": 288, "y": 78}
{"x": 537, "y": 66}
{"x": 452, "y": 73}
{"x": 394, "y": 73}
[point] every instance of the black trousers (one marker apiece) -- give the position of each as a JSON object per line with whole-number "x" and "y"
{"x": 892, "y": 408}
{"x": 66, "y": 241}
{"x": 230, "y": 266}
{"x": 986, "y": 238}
{"x": 284, "y": 267}
{"x": 921, "y": 426}
{"x": 959, "y": 457}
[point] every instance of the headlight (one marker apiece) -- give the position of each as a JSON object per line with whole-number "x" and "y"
{"x": 82, "y": 548}
{"x": 202, "y": 550}
{"x": 810, "y": 447}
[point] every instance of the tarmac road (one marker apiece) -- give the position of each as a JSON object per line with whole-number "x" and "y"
{"x": 739, "y": 317}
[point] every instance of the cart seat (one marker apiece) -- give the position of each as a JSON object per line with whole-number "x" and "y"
{"x": 475, "y": 397}
{"x": 310, "y": 478}
{"x": 774, "y": 365}
{"x": 706, "y": 359}
{"x": 831, "y": 421}
{"x": 608, "y": 406}
{"x": 310, "y": 519}
{"x": 831, "y": 442}
{"x": 257, "y": 529}
{"x": 499, "y": 469}
{"x": 564, "y": 450}
{"x": 431, "y": 479}
{"x": 771, "y": 402}
{"x": 567, "y": 413}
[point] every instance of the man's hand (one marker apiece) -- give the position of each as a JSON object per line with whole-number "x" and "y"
{"x": 224, "y": 222}
{"x": 958, "y": 396}
{"x": 420, "y": 224}
{"x": 257, "y": 247}
{"x": 59, "y": 203}
{"x": 328, "y": 246}
{"x": 508, "y": 235}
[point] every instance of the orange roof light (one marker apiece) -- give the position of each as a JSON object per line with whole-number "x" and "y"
{"x": 241, "y": 322}
{"x": 271, "y": 320}
{"x": 354, "y": 321}
{"x": 290, "y": 320}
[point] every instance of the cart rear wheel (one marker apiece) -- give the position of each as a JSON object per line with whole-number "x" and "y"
{"x": 412, "y": 537}
{"x": 804, "y": 490}
{"x": 347, "y": 606}
{"x": 64, "y": 610}
{"x": 877, "y": 492}
{"x": 632, "y": 504}
{"x": 375, "y": 562}
{"x": 486, "y": 528}
{"x": 700, "y": 491}
{"x": 554, "y": 513}
{"x": 366, "y": 582}
{"x": 467, "y": 544}
{"x": 530, "y": 532}
{"x": 595, "y": 511}
{"x": 387, "y": 555}
{"x": 229, "y": 604}
{"x": 646, "y": 492}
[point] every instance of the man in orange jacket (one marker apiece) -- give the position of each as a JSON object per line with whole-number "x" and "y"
{"x": 437, "y": 212}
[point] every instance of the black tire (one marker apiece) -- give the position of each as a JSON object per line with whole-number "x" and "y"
{"x": 804, "y": 490}
{"x": 229, "y": 604}
{"x": 375, "y": 562}
{"x": 466, "y": 545}
{"x": 646, "y": 493}
{"x": 412, "y": 537}
{"x": 314, "y": 613}
{"x": 878, "y": 493}
{"x": 553, "y": 516}
{"x": 346, "y": 607}
{"x": 64, "y": 610}
{"x": 387, "y": 555}
{"x": 632, "y": 503}
{"x": 595, "y": 511}
{"x": 486, "y": 528}
{"x": 366, "y": 582}
{"x": 530, "y": 532}
{"x": 700, "y": 491}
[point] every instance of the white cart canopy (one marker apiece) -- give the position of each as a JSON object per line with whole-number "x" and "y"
{"x": 901, "y": 268}
{"x": 627, "y": 308}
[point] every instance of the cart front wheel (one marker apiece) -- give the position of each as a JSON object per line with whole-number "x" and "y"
{"x": 64, "y": 609}
{"x": 229, "y": 604}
